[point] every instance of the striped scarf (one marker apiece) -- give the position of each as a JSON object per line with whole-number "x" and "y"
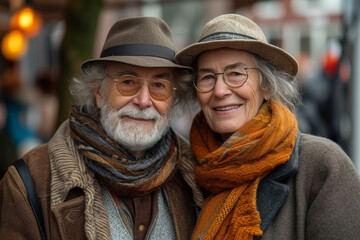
{"x": 114, "y": 166}
{"x": 232, "y": 170}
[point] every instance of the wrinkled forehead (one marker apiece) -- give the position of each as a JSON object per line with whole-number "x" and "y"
{"x": 116, "y": 69}
{"x": 224, "y": 56}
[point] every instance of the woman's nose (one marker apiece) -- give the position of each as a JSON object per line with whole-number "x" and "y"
{"x": 221, "y": 89}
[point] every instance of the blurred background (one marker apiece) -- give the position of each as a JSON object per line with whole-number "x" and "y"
{"x": 43, "y": 43}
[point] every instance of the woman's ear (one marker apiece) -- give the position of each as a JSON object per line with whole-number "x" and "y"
{"x": 98, "y": 97}
{"x": 267, "y": 95}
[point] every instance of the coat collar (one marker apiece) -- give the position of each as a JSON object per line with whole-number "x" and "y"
{"x": 69, "y": 171}
{"x": 272, "y": 192}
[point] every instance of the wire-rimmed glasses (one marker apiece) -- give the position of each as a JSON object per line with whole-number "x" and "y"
{"x": 204, "y": 81}
{"x": 159, "y": 89}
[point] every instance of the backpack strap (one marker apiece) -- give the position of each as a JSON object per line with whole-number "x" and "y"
{"x": 23, "y": 170}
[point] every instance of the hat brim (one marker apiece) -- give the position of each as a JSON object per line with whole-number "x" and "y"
{"x": 140, "y": 61}
{"x": 280, "y": 59}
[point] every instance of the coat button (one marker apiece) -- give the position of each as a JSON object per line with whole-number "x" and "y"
{"x": 141, "y": 228}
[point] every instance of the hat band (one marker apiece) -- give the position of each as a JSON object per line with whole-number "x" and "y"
{"x": 224, "y": 35}
{"x": 140, "y": 50}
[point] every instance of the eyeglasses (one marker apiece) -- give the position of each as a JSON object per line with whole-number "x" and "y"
{"x": 159, "y": 89}
{"x": 233, "y": 77}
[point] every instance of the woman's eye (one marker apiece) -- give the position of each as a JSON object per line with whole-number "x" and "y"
{"x": 236, "y": 73}
{"x": 207, "y": 78}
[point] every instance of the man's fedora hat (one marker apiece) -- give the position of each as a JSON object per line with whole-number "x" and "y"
{"x": 237, "y": 32}
{"x": 139, "y": 41}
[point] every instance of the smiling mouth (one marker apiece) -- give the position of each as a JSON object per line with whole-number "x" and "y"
{"x": 138, "y": 119}
{"x": 227, "y": 108}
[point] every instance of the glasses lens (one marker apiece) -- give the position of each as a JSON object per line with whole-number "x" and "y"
{"x": 205, "y": 82}
{"x": 160, "y": 89}
{"x": 235, "y": 77}
{"x": 128, "y": 85}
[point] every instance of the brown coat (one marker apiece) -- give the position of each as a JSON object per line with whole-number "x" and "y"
{"x": 322, "y": 195}
{"x": 66, "y": 220}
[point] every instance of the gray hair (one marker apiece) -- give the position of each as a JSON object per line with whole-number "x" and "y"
{"x": 282, "y": 85}
{"x": 81, "y": 87}
{"x": 94, "y": 75}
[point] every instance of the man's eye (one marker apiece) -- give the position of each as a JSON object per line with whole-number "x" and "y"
{"x": 159, "y": 85}
{"x": 127, "y": 82}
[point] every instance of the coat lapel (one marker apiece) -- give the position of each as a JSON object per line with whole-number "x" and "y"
{"x": 272, "y": 192}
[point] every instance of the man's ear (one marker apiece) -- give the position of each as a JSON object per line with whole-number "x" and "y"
{"x": 98, "y": 97}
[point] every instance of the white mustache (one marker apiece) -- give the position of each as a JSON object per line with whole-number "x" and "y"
{"x": 147, "y": 114}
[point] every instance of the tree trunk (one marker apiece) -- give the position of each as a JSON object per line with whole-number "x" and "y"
{"x": 81, "y": 20}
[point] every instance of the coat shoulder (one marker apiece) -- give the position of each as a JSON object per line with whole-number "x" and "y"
{"x": 327, "y": 189}
{"x": 38, "y": 163}
{"x": 322, "y": 153}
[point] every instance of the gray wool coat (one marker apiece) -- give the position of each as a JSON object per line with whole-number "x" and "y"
{"x": 314, "y": 196}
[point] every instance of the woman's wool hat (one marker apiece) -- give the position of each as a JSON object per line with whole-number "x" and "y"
{"x": 139, "y": 41}
{"x": 237, "y": 32}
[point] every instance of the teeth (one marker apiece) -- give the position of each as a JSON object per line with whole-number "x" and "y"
{"x": 226, "y": 108}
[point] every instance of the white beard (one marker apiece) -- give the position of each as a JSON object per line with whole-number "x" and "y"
{"x": 132, "y": 136}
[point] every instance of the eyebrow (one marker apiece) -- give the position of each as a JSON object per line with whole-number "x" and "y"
{"x": 122, "y": 73}
{"x": 163, "y": 75}
{"x": 166, "y": 76}
{"x": 227, "y": 67}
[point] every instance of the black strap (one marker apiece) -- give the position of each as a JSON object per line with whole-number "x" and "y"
{"x": 31, "y": 192}
{"x": 140, "y": 49}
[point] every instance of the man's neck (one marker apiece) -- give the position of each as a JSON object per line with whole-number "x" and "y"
{"x": 138, "y": 154}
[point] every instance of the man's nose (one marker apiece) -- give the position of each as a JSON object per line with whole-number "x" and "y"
{"x": 143, "y": 97}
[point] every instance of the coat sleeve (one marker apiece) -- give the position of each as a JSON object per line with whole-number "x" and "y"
{"x": 333, "y": 210}
{"x": 17, "y": 220}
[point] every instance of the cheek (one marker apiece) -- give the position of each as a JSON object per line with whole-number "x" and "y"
{"x": 255, "y": 98}
{"x": 204, "y": 98}
{"x": 114, "y": 100}
{"x": 163, "y": 107}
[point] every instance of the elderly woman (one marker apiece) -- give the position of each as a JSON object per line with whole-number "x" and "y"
{"x": 263, "y": 177}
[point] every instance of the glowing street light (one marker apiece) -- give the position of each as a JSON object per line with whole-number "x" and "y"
{"x": 14, "y": 45}
{"x": 27, "y": 20}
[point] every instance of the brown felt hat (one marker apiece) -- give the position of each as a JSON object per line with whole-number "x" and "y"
{"x": 139, "y": 41}
{"x": 237, "y": 32}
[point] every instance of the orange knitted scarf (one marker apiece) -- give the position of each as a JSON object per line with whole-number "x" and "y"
{"x": 232, "y": 170}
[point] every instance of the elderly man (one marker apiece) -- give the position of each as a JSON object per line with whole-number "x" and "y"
{"x": 115, "y": 169}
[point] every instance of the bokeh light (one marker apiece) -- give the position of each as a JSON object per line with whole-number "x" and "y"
{"x": 14, "y": 45}
{"x": 27, "y": 20}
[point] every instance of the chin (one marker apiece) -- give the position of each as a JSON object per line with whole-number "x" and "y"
{"x": 226, "y": 131}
